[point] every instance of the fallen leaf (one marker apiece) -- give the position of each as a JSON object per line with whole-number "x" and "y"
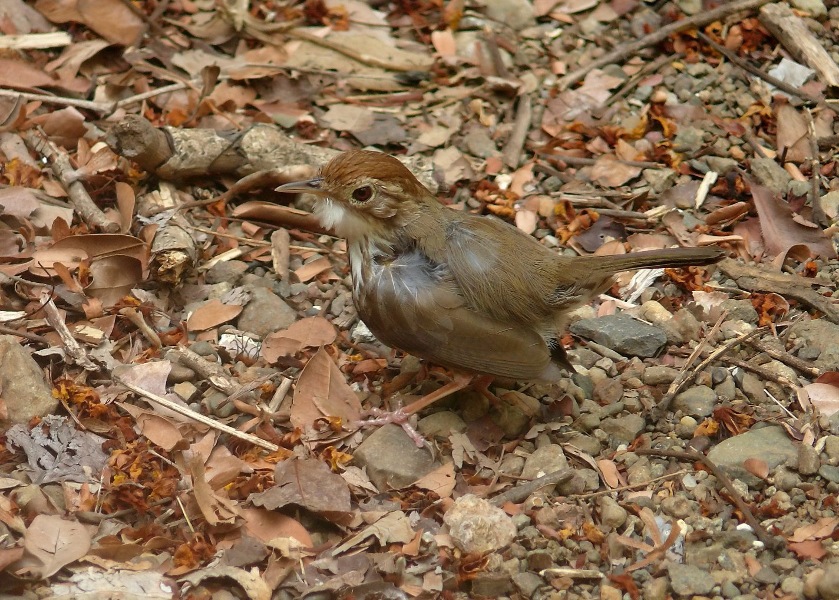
{"x": 212, "y": 314}
{"x": 321, "y": 391}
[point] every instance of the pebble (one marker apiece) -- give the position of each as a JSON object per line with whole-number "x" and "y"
{"x": 659, "y": 375}
{"x": 25, "y": 392}
{"x": 623, "y": 430}
{"x": 623, "y": 334}
{"x": 608, "y": 391}
{"x": 828, "y": 585}
{"x": 476, "y": 526}
{"x": 547, "y": 459}
{"x": 686, "y": 427}
{"x": 698, "y": 401}
{"x": 265, "y": 313}
{"x": 527, "y": 583}
{"x": 770, "y": 174}
{"x": 392, "y": 459}
{"x": 612, "y": 514}
{"x": 741, "y": 310}
{"x": 229, "y": 271}
{"x": 808, "y": 460}
{"x": 831, "y": 447}
{"x": 688, "y": 580}
{"x": 829, "y": 473}
{"x": 441, "y": 424}
{"x": 679, "y": 507}
{"x": 770, "y": 444}
{"x": 655, "y": 589}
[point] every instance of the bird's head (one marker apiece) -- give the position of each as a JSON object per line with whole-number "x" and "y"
{"x": 364, "y": 193}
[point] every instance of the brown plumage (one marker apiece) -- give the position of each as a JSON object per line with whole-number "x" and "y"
{"x": 465, "y": 291}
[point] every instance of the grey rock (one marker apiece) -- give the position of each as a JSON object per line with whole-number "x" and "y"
{"x": 753, "y": 388}
{"x": 687, "y": 580}
{"x": 527, "y": 583}
{"x": 392, "y": 459}
{"x": 491, "y": 585}
{"x": 517, "y": 14}
{"x": 441, "y": 424}
{"x": 698, "y": 401}
{"x": 770, "y": 444}
{"x": 179, "y": 374}
{"x": 794, "y": 586}
{"x": 816, "y": 8}
{"x": 612, "y": 514}
{"x": 808, "y": 460}
{"x": 659, "y": 374}
{"x": 831, "y": 447}
{"x": 479, "y": 143}
{"x": 726, "y": 390}
{"x": 767, "y": 575}
{"x": 476, "y": 526}
{"x": 623, "y": 334}
{"x": 226, "y": 271}
{"x": 828, "y": 586}
{"x": 679, "y": 507}
{"x": 544, "y": 460}
{"x": 659, "y": 179}
{"x": 686, "y": 427}
{"x": 588, "y": 444}
{"x": 820, "y": 334}
{"x": 770, "y": 174}
{"x": 740, "y": 310}
{"x": 22, "y": 384}
{"x": 623, "y": 429}
{"x": 655, "y": 589}
{"x": 265, "y": 313}
{"x": 720, "y": 164}
{"x": 688, "y": 139}
{"x": 830, "y": 473}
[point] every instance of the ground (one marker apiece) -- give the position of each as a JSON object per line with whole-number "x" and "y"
{"x": 182, "y": 368}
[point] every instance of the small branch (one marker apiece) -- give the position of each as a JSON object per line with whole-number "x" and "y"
{"x": 624, "y": 51}
{"x": 74, "y": 351}
{"x": 778, "y": 83}
{"x": 786, "y": 358}
{"x": 83, "y": 204}
{"x": 513, "y": 147}
{"x": 815, "y": 171}
{"x": 520, "y": 492}
{"x": 693, "y": 456}
{"x": 191, "y": 414}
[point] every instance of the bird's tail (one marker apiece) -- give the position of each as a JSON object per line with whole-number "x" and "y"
{"x": 667, "y": 258}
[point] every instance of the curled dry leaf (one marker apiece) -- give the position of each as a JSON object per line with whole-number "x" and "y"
{"x": 305, "y": 333}
{"x": 212, "y": 314}
{"x": 321, "y": 391}
{"x": 307, "y": 483}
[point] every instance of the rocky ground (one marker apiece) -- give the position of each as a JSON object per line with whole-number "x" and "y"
{"x": 181, "y": 364}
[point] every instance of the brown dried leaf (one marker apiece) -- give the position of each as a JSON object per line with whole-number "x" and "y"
{"x": 308, "y": 332}
{"x": 51, "y": 543}
{"x": 757, "y": 467}
{"x": 307, "y": 483}
{"x": 824, "y": 397}
{"x": 112, "y": 19}
{"x": 781, "y": 232}
{"x": 212, "y": 314}
{"x": 321, "y": 391}
{"x": 267, "y": 525}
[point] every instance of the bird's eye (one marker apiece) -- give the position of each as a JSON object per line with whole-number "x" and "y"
{"x": 362, "y": 194}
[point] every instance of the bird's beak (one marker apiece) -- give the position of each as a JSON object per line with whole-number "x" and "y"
{"x": 310, "y": 186}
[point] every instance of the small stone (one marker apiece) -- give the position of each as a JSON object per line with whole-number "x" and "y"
{"x": 476, "y": 526}
{"x": 608, "y": 391}
{"x": 265, "y": 313}
{"x": 623, "y": 334}
{"x": 228, "y": 271}
{"x": 527, "y": 583}
{"x": 441, "y": 424}
{"x": 793, "y": 586}
{"x": 659, "y": 179}
{"x": 784, "y": 565}
{"x": 831, "y": 447}
{"x": 740, "y": 310}
{"x": 517, "y": 14}
{"x": 547, "y": 459}
{"x": 686, "y": 427}
{"x": 829, "y": 473}
{"x": 828, "y": 586}
{"x": 727, "y": 390}
{"x": 808, "y": 460}
{"x": 491, "y": 585}
{"x": 179, "y": 374}
{"x": 753, "y": 388}
{"x": 688, "y": 580}
{"x": 770, "y": 174}
{"x": 688, "y": 138}
{"x": 612, "y": 514}
{"x": 816, "y": 8}
{"x": 658, "y": 375}
{"x": 767, "y": 575}
{"x": 811, "y": 583}
{"x": 623, "y": 429}
{"x": 26, "y": 394}
{"x": 479, "y": 143}
{"x": 392, "y": 459}
{"x": 655, "y": 589}
{"x": 769, "y": 444}
{"x": 698, "y": 401}
{"x": 609, "y": 592}
{"x": 679, "y": 507}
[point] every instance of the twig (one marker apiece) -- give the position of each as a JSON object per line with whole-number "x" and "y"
{"x": 520, "y": 492}
{"x": 692, "y": 455}
{"x": 786, "y": 358}
{"x": 778, "y": 83}
{"x": 650, "y": 67}
{"x": 815, "y": 171}
{"x": 633, "y": 486}
{"x": 764, "y": 373}
{"x": 687, "y": 371}
{"x": 72, "y": 348}
{"x": 32, "y": 337}
{"x": 83, "y": 204}
{"x": 191, "y": 414}
{"x": 135, "y": 317}
{"x": 210, "y": 371}
{"x": 581, "y": 161}
{"x": 623, "y": 51}
{"x": 93, "y": 105}
{"x": 513, "y": 147}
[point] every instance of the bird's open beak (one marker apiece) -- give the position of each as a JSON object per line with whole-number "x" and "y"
{"x": 311, "y": 186}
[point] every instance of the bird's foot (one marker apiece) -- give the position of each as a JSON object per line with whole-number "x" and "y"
{"x": 397, "y": 417}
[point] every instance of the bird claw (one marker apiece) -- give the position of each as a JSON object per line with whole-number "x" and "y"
{"x": 397, "y": 417}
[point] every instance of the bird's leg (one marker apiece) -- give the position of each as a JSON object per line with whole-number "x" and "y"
{"x": 400, "y": 416}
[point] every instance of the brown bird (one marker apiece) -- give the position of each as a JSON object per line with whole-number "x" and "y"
{"x": 468, "y": 292}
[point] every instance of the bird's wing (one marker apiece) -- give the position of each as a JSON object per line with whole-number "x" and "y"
{"x": 505, "y": 272}
{"x": 414, "y": 305}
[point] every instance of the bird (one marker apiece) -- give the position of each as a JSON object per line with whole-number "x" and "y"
{"x": 469, "y": 292}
